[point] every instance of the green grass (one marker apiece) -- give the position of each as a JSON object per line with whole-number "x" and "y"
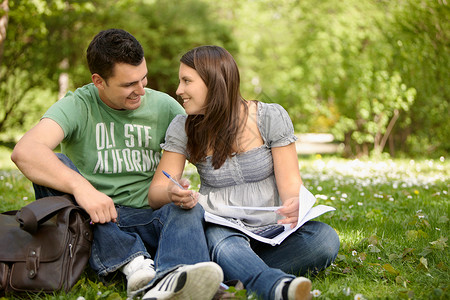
{"x": 392, "y": 217}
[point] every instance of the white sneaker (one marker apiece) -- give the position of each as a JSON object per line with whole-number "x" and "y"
{"x": 297, "y": 289}
{"x": 190, "y": 282}
{"x": 139, "y": 272}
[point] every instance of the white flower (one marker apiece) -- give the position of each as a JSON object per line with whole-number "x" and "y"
{"x": 316, "y": 293}
{"x": 81, "y": 298}
{"x": 359, "y": 297}
{"x": 354, "y": 253}
{"x": 360, "y": 203}
{"x": 346, "y": 291}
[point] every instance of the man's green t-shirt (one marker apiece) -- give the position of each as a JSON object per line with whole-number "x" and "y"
{"x": 117, "y": 151}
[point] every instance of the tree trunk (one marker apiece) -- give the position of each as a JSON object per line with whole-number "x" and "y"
{"x": 4, "y": 9}
{"x": 63, "y": 78}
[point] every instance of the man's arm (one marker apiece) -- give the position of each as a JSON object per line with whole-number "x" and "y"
{"x": 34, "y": 156}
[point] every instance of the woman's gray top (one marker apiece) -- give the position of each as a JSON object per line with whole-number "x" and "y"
{"x": 245, "y": 179}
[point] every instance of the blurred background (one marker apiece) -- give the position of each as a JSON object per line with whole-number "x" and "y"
{"x": 360, "y": 78}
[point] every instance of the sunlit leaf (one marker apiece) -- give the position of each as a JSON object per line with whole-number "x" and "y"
{"x": 390, "y": 269}
{"x": 373, "y": 239}
{"x": 114, "y": 296}
{"x": 401, "y": 280}
{"x": 341, "y": 257}
{"x": 374, "y": 249}
{"x": 408, "y": 251}
{"x": 439, "y": 244}
{"x": 426, "y": 251}
{"x": 424, "y": 262}
{"x": 415, "y": 234}
{"x": 394, "y": 256}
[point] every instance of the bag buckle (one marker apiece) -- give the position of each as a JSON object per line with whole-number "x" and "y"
{"x": 33, "y": 261}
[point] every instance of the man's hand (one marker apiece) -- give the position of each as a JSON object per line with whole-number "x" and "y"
{"x": 99, "y": 206}
{"x": 290, "y": 212}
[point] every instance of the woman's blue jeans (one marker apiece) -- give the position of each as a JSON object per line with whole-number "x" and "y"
{"x": 175, "y": 236}
{"x": 260, "y": 267}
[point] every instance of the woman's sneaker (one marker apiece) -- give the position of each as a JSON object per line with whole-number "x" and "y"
{"x": 297, "y": 289}
{"x": 199, "y": 282}
{"x": 139, "y": 272}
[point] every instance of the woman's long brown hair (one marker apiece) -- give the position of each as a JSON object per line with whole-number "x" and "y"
{"x": 216, "y": 131}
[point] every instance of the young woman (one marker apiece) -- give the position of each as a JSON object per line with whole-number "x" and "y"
{"x": 245, "y": 154}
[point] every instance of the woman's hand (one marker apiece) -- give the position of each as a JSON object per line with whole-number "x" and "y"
{"x": 289, "y": 210}
{"x": 183, "y": 198}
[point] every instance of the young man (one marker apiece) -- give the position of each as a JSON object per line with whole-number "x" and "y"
{"x": 110, "y": 133}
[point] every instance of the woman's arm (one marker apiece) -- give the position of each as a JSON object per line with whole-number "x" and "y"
{"x": 288, "y": 180}
{"x": 163, "y": 191}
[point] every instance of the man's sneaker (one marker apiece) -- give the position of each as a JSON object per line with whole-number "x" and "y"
{"x": 139, "y": 272}
{"x": 297, "y": 289}
{"x": 190, "y": 282}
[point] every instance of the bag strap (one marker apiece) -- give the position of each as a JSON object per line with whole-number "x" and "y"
{"x": 39, "y": 211}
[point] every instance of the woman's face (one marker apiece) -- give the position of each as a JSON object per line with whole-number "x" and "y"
{"x": 192, "y": 90}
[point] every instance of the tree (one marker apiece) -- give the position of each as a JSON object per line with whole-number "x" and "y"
{"x": 420, "y": 37}
{"x": 47, "y": 40}
{"x": 4, "y": 9}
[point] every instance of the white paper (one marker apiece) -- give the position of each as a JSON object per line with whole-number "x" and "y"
{"x": 269, "y": 208}
{"x": 306, "y": 212}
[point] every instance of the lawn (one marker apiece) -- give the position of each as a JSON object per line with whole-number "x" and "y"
{"x": 392, "y": 217}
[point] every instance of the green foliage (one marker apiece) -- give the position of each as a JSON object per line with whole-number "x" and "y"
{"x": 46, "y": 39}
{"x": 421, "y": 48}
{"x": 23, "y": 103}
{"x": 373, "y": 73}
{"x": 337, "y": 67}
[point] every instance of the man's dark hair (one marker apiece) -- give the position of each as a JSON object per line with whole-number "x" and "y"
{"x": 110, "y": 47}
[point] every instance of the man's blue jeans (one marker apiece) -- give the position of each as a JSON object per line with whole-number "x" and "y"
{"x": 176, "y": 236}
{"x": 260, "y": 266}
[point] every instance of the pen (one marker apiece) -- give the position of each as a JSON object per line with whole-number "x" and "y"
{"x": 173, "y": 180}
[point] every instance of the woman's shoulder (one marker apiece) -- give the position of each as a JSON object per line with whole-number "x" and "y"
{"x": 177, "y": 123}
{"x": 271, "y": 111}
{"x": 275, "y": 124}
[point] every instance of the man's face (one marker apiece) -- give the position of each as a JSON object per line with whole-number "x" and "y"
{"x": 124, "y": 89}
